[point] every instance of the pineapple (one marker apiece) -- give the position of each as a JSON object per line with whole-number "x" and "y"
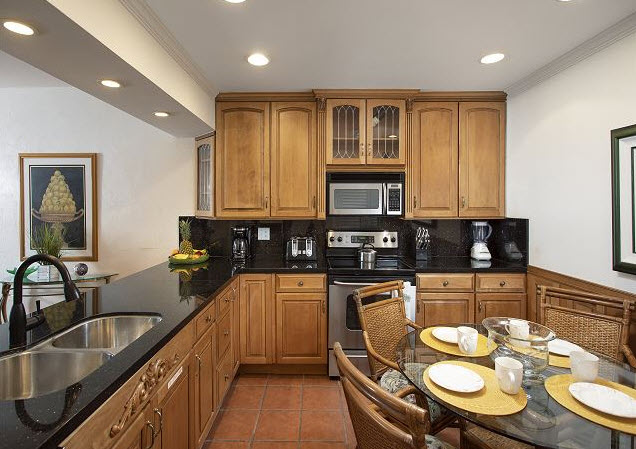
{"x": 186, "y": 245}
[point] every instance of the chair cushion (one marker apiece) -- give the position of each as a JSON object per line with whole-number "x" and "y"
{"x": 393, "y": 381}
{"x": 435, "y": 443}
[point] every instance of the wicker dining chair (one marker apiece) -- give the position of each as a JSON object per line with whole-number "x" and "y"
{"x": 382, "y": 420}
{"x": 383, "y": 324}
{"x": 597, "y": 323}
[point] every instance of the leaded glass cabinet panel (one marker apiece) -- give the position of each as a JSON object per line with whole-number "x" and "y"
{"x": 345, "y": 132}
{"x": 385, "y": 132}
{"x": 205, "y": 173}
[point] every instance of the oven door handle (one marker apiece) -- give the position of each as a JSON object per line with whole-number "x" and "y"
{"x": 357, "y": 284}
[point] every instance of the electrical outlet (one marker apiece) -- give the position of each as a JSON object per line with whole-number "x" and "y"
{"x": 263, "y": 233}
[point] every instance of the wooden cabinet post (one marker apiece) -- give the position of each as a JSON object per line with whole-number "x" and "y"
{"x": 293, "y": 161}
{"x": 482, "y": 143}
{"x": 242, "y": 159}
{"x": 256, "y": 319}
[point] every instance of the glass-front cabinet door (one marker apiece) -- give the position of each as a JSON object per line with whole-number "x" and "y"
{"x": 204, "y": 176}
{"x": 385, "y": 134}
{"x": 345, "y": 132}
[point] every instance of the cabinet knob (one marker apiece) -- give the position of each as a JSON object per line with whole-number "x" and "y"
{"x": 479, "y": 306}
{"x": 301, "y": 283}
{"x": 226, "y": 333}
{"x": 502, "y": 283}
{"x": 445, "y": 283}
{"x": 463, "y": 202}
{"x": 226, "y": 377}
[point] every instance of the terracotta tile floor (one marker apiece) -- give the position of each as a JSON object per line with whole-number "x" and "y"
{"x": 285, "y": 412}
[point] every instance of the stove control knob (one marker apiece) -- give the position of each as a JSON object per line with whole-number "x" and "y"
{"x": 340, "y": 239}
{"x": 392, "y": 239}
{"x": 385, "y": 239}
{"x": 332, "y": 238}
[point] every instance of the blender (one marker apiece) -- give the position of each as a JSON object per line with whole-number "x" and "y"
{"x": 481, "y": 232}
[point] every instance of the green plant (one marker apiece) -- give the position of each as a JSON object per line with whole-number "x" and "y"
{"x": 46, "y": 240}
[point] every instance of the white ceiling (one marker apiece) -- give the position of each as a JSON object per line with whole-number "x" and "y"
{"x": 17, "y": 73}
{"x": 425, "y": 44}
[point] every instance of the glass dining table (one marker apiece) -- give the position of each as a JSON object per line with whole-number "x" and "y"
{"x": 543, "y": 423}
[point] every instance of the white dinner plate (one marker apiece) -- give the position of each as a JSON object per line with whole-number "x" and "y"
{"x": 455, "y": 378}
{"x": 446, "y": 334}
{"x": 562, "y": 347}
{"x": 604, "y": 399}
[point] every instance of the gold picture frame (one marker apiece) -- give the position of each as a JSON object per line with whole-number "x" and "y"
{"x": 60, "y": 190}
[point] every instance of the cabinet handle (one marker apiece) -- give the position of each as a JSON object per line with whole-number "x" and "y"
{"x": 369, "y": 150}
{"x": 226, "y": 333}
{"x": 266, "y": 202}
{"x": 152, "y": 434}
{"x": 324, "y": 306}
{"x": 414, "y": 202}
{"x": 479, "y": 306}
{"x": 208, "y": 318}
{"x": 314, "y": 201}
{"x": 199, "y": 360}
{"x": 361, "y": 149}
{"x": 463, "y": 202}
{"x": 417, "y": 307}
{"x": 226, "y": 377}
{"x": 445, "y": 283}
{"x": 160, "y": 415}
{"x": 502, "y": 283}
{"x": 301, "y": 283}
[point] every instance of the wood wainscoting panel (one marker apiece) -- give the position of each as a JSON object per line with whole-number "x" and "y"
{"x": 539, "y": 276}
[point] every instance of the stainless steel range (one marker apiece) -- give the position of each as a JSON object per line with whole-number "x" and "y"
{"x": 346, "y": 274}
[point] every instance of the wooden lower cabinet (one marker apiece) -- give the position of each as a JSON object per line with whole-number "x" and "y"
{"x": 139, "y": 435}
{"x": 500, "y": 304}
{"x": 444, "y": 308}
{"x": 204, "y": 385}
{"x": 223, "y": 378}
{"x": 256, "y": 319}
{"x": 173, "y": 412}
{"x": 301, "y": 328}
{"x": 236, "y": 323}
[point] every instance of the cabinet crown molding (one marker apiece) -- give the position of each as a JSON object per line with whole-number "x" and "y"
{"x": 395, "y": 94}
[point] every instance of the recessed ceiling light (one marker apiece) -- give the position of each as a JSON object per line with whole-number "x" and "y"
{"x": 563, "y": 1}
{"x": 110, "y": 83}
{"x": 492, "y": 58}
{"x": 19, "y": 28}
{"x": 235, "y": 1}
{"x": 161, "y": 114}
{"x": 258, "y": 59}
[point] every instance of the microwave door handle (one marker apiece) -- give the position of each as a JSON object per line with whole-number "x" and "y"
{"x": 385, "y": 202}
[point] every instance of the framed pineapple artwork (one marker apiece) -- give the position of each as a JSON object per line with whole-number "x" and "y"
{"x": 58, "y": 202}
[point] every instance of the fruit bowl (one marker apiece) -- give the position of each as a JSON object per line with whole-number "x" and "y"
{"x": 191, "y": 260}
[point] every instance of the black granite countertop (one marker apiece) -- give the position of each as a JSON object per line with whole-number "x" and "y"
{"x": 44, "y": 421}
{"x": 177, "y": 295}
{"x": 468, "y": 265}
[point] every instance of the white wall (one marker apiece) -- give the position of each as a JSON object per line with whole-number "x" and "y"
{"x": 559, "y": 163}
{"x": 144, "y": 175}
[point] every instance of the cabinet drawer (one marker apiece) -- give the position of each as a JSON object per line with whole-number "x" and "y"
{"x": 300, "y": 283}
{"x": 223, "y": 334}
{"x": 223, "y": 378}
{"x": 204, "y": 320}
{"x": 452, "y": 282}
{"x": 224, "y": 300}
{"x": 501, "y": 282}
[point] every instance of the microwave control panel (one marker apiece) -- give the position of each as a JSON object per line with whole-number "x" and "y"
{"x": 394, "y": 199}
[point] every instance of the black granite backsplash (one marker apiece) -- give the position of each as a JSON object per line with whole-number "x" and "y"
{"x": 449, "y": 238}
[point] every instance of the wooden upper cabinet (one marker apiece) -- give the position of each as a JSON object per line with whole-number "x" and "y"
{"x": 204, "y": 148}
{"x": 386, "y": 132}
{"x": 435, "y": 159}
{"x": 345, "y": 132}
{"x": 482, "y": 134}
{"x": 293, "y": 159}
{"x": 242, "y": 159}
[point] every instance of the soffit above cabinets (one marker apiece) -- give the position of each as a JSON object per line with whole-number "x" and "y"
{"x": 66, "y": 51}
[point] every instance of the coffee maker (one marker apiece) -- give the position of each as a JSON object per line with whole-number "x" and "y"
{"x": 241, "y": 242}
{"x": 481, "y": 231}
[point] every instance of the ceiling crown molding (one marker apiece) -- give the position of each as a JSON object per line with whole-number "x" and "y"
{"x": 604, "y": 39}
{"x": 151, "y": 22}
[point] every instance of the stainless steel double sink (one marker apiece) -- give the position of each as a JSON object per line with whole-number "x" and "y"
{"x": 66, "y": 358}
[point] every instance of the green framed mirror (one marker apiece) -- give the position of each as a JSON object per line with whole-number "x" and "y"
{"x": 624, "y": 199}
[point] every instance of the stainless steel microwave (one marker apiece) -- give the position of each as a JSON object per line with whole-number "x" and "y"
{"x": 365, "y": 194}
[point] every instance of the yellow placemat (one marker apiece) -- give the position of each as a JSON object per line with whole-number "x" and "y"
{"x": 559, "y": 361}
{"x": 490, "y": 400}
{"x": 557, "y": 387}
{"x": 429, "y": 340}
